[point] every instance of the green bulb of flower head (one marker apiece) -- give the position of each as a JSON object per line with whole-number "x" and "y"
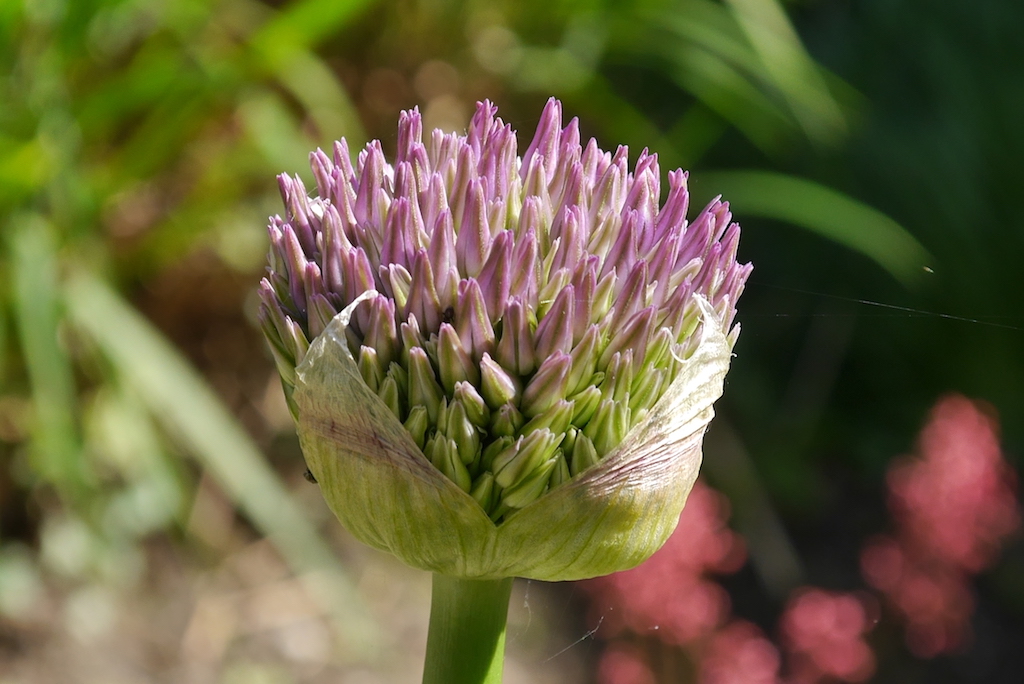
{"x": 501, "y": 366}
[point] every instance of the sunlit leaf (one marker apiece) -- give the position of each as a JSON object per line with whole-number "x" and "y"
{"x": 790, "y": 67}
{"x": 828, "y": 213}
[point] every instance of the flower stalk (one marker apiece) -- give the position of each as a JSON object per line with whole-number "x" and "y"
{"x": 466, "y": 641}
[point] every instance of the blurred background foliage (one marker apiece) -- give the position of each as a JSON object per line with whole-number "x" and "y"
{"x": 871, "y": 150}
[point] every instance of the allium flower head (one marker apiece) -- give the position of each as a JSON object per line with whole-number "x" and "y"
{"x": 501, "y": 365}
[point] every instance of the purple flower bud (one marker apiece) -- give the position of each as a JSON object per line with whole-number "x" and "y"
{"x": 545, "y": 141}
{"x": 554, "y": 333}
{"x": 496, "y": 275}
{"x": 633, "y": 295}
{"x": 454, "y": 363}
{"x": 496, "y": 384}
{"x": 475, "y": 329}
{"x": 524, "y": 260}
{"x": 507, "y": 421}
{"x": 423, "y": 387}
{"x": 535, "y": 327}
{"x": 516, "y": 350}
{"x": 424, "y": 302}
{"x": 476, "y": 408}
{"x": 547, "y": 386}
{"x": 474, "y": 239}
{"x": 634, "y": 335}
{"x": 519, "y": 461}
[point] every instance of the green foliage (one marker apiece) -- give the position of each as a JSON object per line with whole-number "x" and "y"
{"x": 132, "y": 134}
{"x": 185, "y": 407}
{"x": 827, "y": 212}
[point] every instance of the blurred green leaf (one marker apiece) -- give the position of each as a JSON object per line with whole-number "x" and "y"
{"x": 122, "y": 437}
{"x": 179, "y": 398}
{"x": 792, "y": 70}
{"x": 316, "y": 87}
{"x": 731, "y": 94}
{"x": 274, "y": 130}
{"x": 24, "y": 166}
{"x": 303, "y": 24}
{"x": 742, "y": 60}
{"x": 709, "y": 56}
{"x": 828, "y": 213}
{"x": 55, "y": 441}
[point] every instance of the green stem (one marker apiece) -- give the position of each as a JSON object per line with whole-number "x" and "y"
{"x": 466, "y": 641}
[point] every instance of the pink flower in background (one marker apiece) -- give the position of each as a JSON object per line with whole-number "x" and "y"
{"x": 954, "y": 504}
{"x": 740, "y": 654}
{"x": 934, "y": 599}
{"x": 823, "y": 633}
{"x": 623, "y": 664}
{"x": 670, "y": 593}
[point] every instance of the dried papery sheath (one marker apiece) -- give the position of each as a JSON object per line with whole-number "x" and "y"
{"x": 501, "y": 365}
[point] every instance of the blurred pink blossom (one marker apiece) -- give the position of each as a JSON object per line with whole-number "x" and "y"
{"x": 823, "y": 633}
{"x": 739, "y": 653}
{"x": 933, "y": 598}
{"x": 623, "y": 664}
{"x": 955, "y": 501}
{"x": 953, "y": 504}
{"x": 670, "y": 592}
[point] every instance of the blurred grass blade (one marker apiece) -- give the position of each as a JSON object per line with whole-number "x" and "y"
{"x": 323, "y": 96}
{"x": 284, "y": 47}
{"x": 732, "y": 95}
{"x": 179, "y": 398}
{"x": 791, "y": 68}
{"x": 826, "y": 212}
{"x": 710, "y": 53}
{"x": 745, "y": 61}
{"x": 302, "y": 24}
{"x": 274, "y": 130}
{"x": 56, "y": 448}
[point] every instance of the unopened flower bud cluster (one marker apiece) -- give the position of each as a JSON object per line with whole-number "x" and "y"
{"x": 527, "y": 311}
